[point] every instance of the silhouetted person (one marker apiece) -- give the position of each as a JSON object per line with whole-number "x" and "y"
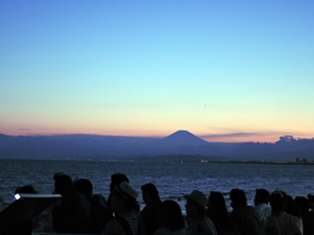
{"x": 124, "y": 203}
{"x": 68, "y": 216}
{"x": 244, "y": 218}
{"x": 172, "y": 221}
{"x": 198, "y": 222}
{"x": 217, "y": 212}
{"x": 151, "y": 212}
{"x": 116, "y": 180}
{"x": 84, "y": 186}
{"x": 279, "y": 222}
{"x": 94, "y": 206}
{"x": 292, "y": 209}
{"x": 310, "y": 197}
{"x": 306, "y": 214}
{"x": 261, "y": 205}
{"x": 27, "y": 189}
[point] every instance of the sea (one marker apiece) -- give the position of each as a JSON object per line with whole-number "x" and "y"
{"x": 172, "y": 179}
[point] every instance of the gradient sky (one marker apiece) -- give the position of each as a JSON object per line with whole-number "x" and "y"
{"x": 223, "y": 70}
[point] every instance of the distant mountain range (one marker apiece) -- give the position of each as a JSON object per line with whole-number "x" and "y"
{"x": 180, "y": 143}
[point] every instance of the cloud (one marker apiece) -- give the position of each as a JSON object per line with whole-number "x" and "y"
{"x": 235, "y": 135}
{"x": 24, "y": 129}
{"x": 267, "y": 136}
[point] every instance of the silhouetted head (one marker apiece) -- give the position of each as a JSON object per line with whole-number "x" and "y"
{"x": 28, "y": 189}
{"x": 302, "y": 203}
{"x": 238, "y": 198}
{"x": 292, "y": 207}
{"x": 278, "y": 201}
{"x": 310, "y": 197}
{"x": 117, "y": 179}
{"x": 63, "y": 182}
{"x": 171, "y": 215}
{"x": 261, "y": 196}
{"x": 150, "y": 193}
{"x": 84, "y": 186}
{"x": 216, "y": 202}
{"x": 64, "y": 186}
{"x": 196, "y": 203}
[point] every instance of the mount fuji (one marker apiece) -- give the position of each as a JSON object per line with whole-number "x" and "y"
{"x": 182, "y": 138}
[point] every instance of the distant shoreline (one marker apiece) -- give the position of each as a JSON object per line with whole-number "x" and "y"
{"x": 154, "y": 160}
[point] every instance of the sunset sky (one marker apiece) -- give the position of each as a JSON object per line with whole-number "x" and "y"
{"x": 223, "y": 70}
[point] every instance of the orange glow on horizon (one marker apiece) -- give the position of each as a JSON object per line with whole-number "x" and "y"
{"x": 224, "y": 138}
{"x": 257, "y": 139}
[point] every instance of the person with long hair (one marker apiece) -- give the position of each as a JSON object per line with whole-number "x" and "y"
{"x": 217, "y": 212}
{"x": 94, "y": 206}
{"x": 151, "y": 212}
{"x": 307, "y": 215}
{"x": 68, "y": 216}
{"x": 292, "y": 209}
{"x": 172, "y": 221}
{"x": 279, "y": 222}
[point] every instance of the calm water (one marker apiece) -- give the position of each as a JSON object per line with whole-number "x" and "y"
{"x": 173, "y": 180}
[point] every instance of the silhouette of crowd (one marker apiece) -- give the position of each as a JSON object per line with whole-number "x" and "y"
{"x": 80, "y": 211}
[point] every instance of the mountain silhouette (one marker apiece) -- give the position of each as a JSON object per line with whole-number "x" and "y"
{"x": 182, "y": 138}
{"x": 179, "y": 143}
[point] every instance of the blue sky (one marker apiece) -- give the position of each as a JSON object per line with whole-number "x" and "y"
{"x": 148, "y": 68}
